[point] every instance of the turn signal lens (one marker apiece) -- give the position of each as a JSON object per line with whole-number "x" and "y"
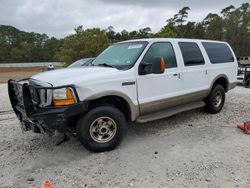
{"x": 162, "y": 65}
{"x": 67, "y": 101}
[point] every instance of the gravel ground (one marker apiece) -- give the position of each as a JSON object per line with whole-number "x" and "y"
{"x": 191, "y": 149}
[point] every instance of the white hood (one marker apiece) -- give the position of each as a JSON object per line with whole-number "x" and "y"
{"x": 71, "y": 75}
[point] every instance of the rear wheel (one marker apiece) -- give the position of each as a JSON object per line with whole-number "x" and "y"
{"x": 216, "y": 99}
{"x": 101, "y": 129}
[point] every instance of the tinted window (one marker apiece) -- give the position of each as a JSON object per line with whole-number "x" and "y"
{"x": 191, "y": 54}
{"x": 218, "y": 52}
{"x": 164, "y": 50}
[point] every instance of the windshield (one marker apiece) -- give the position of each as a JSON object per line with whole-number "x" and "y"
{"x": 120, "y": 55}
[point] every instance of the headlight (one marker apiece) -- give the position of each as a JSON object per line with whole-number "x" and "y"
{"x": 59, "y": 93}
{"x": 63, "y": 97}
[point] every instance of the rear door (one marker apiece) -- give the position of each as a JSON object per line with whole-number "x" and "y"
{"x": 195, "y": 75}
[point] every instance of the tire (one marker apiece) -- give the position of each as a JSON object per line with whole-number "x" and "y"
{"x": 216, "y": 99}
{"x": 102, "y": 128}
{"x": 247, "y": 83}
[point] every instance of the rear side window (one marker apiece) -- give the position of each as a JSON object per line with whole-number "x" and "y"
{"x": 218, "y": 52}
{"x": 191, "y": 54}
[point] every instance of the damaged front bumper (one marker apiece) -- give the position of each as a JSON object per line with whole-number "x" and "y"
{"x": 43, "y": 119}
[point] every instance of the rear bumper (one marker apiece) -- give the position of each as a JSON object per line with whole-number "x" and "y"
{"x": 42, "y": 119}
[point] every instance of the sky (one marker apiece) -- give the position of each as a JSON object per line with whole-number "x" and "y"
{"x": 58, "y": 18}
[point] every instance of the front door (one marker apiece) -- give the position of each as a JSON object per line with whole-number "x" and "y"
{"x": 160, "y": 91}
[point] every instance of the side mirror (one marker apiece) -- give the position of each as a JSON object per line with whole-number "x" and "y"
{"x": 158, "y": 65}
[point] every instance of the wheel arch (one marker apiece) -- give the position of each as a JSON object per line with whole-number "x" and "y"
{"x": 221, "y": 79}
{"x": 117, "y": 99}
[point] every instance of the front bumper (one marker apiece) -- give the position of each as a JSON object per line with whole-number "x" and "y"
{"x": 43, "y": 119}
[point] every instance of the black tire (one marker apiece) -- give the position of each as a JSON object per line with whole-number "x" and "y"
{"x": 247, "y": 83}
{"x": 213, "y": 103}
{"x": 89, "y": 128}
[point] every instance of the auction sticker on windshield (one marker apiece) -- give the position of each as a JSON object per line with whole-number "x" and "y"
{"x": 135, "y": 46}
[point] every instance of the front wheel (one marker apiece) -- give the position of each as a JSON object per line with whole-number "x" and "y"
{"x": 101, "y": 129}
{"x": 216, "y": 99}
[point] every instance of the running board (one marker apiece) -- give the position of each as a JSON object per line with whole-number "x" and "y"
{"x": 170, "y": 112}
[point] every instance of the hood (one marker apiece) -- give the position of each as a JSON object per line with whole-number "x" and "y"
{"x": 70, "y": 75}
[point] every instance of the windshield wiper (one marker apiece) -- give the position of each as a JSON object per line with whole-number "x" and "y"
{"x": 105, "y": 65}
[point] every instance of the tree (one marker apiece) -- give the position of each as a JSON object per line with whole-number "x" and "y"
{"x": 182, "y": 15}
{"x": 82, "y": 44}
{"x": 213, "y": 26}
{"x": 226, "y": 11}
{"x": 133, "y": 35}
{"x": 145, "y": 32}
{"x": 124, "y": 35}
{"x": 168, "y": 32}
{"x": 243, "y": 38}
{"x": 236, "y": 27}
{"x": 51, "y": 47}
{"x": 175, "y": 26}
{"x": 110, "y": 33}
{"x": 20, "y": 46}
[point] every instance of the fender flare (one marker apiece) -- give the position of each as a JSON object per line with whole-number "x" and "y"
{"x": 218, "y": 77}
{"x": 134, "y": 108}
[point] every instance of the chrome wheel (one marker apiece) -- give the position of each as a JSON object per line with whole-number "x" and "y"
{"x": 103, "y": 129}
{"x": 217, "y": 99}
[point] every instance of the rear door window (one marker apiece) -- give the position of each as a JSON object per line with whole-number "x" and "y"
{"x": 218, "y": 52}
{"x": 191, "y": 54}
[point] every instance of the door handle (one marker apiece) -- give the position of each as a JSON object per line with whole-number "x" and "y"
{"x": 177, "y": 74}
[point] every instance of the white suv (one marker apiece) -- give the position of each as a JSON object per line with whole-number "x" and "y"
{"x": 137, "y": 80}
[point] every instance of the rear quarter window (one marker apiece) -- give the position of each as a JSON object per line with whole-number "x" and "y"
{"x": 218, "y": 52}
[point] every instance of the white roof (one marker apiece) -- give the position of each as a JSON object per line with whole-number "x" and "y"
{"x": 171, "y": 39}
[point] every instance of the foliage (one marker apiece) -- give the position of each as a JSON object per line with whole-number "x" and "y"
{"x": 125, "y": 35}
{"x": 20, "y": 46}
{"x": 84, "y": 43}
{"x": 231, "y": 25}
